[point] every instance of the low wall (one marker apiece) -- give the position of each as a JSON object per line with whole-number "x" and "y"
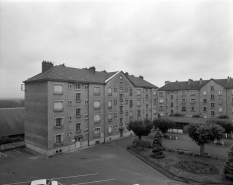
{"x": 11, "y": 146}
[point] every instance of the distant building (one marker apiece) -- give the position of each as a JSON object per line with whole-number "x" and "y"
{"x": 207, "y": 98}
{"x": 67, "y": 108}
{"x": 12, "y": 122}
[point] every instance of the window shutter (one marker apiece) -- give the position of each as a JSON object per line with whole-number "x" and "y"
{"x": 57, "y": 88}
{"x": 58, "y": 105}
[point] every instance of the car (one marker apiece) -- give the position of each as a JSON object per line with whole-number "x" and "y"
{"x": 44, "y": 182}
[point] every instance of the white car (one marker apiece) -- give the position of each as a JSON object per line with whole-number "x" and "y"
{"x": 44, "y": 182}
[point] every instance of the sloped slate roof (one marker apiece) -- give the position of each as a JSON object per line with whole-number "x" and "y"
{"x": 11, "y": 121}
{"x": 71, "y": 74}
{"x": 138, "y": 82}
{"x": 194, "y": 85}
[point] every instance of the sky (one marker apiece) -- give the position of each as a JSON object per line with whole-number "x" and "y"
{"x": 160, "y": 40}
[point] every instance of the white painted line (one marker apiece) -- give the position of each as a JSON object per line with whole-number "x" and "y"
{"x": 17, "y": 151}
{"x": 3, "y": 154}
{"x": 57, "y": 178}
{"x": 94, "y": 182}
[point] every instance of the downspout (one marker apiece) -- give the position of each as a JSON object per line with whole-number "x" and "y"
{"x": 88, "y": 124}
{"x": 104, "y": 109}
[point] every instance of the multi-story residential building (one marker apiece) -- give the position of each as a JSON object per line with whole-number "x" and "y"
{"x": 67, "y": 108}
{"x": 207, "y": 98}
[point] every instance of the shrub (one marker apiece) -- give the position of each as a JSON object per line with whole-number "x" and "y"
{"x": 178, "y": 115}
{"x": 223, "y": 117}
{"x": 196, "y": 116}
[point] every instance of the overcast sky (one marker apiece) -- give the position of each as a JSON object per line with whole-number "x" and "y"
{"x": 160, "y": 40}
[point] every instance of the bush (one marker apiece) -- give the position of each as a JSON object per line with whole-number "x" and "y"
{"x": 223, "y": 117}
{"x": 196, "y": 116}
{"x": 178, "y": 115}
{"x": 5, "y": 140}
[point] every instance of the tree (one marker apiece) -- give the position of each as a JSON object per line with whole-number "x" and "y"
{"x": 163, "y": 124}
{"x": 140, "y": 127}
{"x": 157, "y": 151}
{"x": 226, "y": 124}
{"x": 203, "y": 133}
{"x": 228, "y": 169}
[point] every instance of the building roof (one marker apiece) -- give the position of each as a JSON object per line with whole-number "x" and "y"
{"x": 11, "y": 121}
{"x": 139, "y": 82}
{"x": 194, "y": 85}
{"x": 63, "y": 73}
{"x": 188, "y": 119}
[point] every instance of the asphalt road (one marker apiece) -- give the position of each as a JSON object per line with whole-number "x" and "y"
{"x": 105, "y": 164}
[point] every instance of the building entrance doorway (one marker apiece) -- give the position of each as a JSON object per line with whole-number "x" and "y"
{"x": 77, "y": 142}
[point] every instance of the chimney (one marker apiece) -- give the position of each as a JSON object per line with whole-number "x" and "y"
{"x": 200, "y": 80}
{"x": 126, "y": 73}
{"x": 189, "y": 82}
{"x": 228, "y": 79}
{"x": 46, "y": 65}
{"x": 166, "y": 82}
{"x": 92, "y": 69}
{"x": 141, "y": 77}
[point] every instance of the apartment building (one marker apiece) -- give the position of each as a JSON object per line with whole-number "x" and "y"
{"x": 207, "y": 98}
{"x": 67, "y": 108}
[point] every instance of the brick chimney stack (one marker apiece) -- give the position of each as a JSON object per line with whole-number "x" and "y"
{"x": 92, "y": 69}
{"x": 167, "y": 82}
{"x": 200, "y": 80}
{"x": 126, "y": 73}
{"x": 141, "y": 77}
{"x": 46, "y": 65}
{"x": 189, "y": 82}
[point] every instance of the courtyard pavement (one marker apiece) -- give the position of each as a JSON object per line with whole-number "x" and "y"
{"x": 105, "y": 164}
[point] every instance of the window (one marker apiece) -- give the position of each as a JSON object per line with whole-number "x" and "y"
{"x": 126, "y": 90}
{"x": 57, "y": 88}
{"x": 220, "y": 109}
{"x": 183, "y": 109}
{"x": 121, "y": 77}
{"x": 192, "y": 109}
{"x": 126, "y": 101}
{"x": 154, "y": 102}
{"x": 131, "y": 103}
{"x": 86, "y": 116}
{"x": 115, "y": 102}
{"x": 161, "y": 101}
{"x": 86, "y": 131}
{"x": 160, "y": 94}
{"x": 146, "y": 116}
{"x": 86, "y": 87}
{"x": 78, "y": 97}
{"x": 115, "y": 114}
{"x": 146, "y": 90}
{"x": 154, "y": 111}
{"x": 171, "y": 97}
{"x": 109, "y": 129}
{"x": 109, "y": 116}
{"x": 121, "y": 85}
{"x": 130, "y": 92}
{"x": 109, "y": 104}
{"x": 212, "y": 96}
{"x": 211, "y": 104}
{"x": 70, "y": 118}
{"x": 232, "y": 92}
{"x": 115, "y": 89}
{"x": 204, "y": 109}
{"x": 96, "y": 90}
{"x": 138, "y": 92}
{"x": 220, "y": 101}
{"x": 204, "y": 93}
{"x": 192, "y": 101}
{"x": 171, "y": 104}
{"x": 97, "y": 104}
{"x": 121, "y": 121}
{"x": 211, "y": 88}
{"x": 146, "y": 106}
{"x": 183, "y": 93}
{"x": 139, "y": 113}
{"x": 86, "y": 102}
{"x": 97, "y": 131}
{"x": 59, "y": 139}
{"x": 192, "y": 93}
{"x": 97, "y": 118}
{"x": 70, "y": 86}
{"x": 146, "y": 97}
{"x": 126, "y": 113}
{"x": 70, "y": 133}
{"x": 160, "y": 108}
{"x": 78, "y": 127}
{"x": 138, "y": 103}
{"x": 78, "y": 112}
{"x": 220, "y": 92}
{"x": 154, "y": 92}
{"x": 130, "y": 114}
{"x": 115, "y": 127}
{"x": 121, "y": 97}
{"x": 78, "y": 86}
{"x": 109, "y": 91}
{"x": 212, "y": 113}
{"x": 121, "y": 109}
{"x": 58, "y": 122}
{"x": 183, "y": 100}
{"x": 204, "y": 100}
{"x": 58, "y": 106}
{"x": 70, "y": 102}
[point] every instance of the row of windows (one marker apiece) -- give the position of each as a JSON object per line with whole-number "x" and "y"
{"x": 220, "y": 101}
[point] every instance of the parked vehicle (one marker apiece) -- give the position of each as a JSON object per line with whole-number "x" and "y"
{"x": 44, "y": 182}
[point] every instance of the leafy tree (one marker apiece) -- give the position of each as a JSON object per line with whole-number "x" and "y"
{"x": 163, "y": 124}
{"x": 223, "y": 117}
{"x": 157, "y": 151}
{"x": 228, "y": 169}
{"x": 203, "y": 133}
{"x": 226, "y": 124}
{"x": 140, "y": 127}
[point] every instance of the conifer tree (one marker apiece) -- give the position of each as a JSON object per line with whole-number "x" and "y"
{"x": 157, "y": 151}
{"x": 228, "y": 169}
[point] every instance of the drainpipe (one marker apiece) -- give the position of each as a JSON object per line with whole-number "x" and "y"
{"x": 104, "y": 109}
{"x": 88, "y": 124}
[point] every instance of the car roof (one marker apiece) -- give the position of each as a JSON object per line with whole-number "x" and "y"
{"x": 39, "y": 182}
